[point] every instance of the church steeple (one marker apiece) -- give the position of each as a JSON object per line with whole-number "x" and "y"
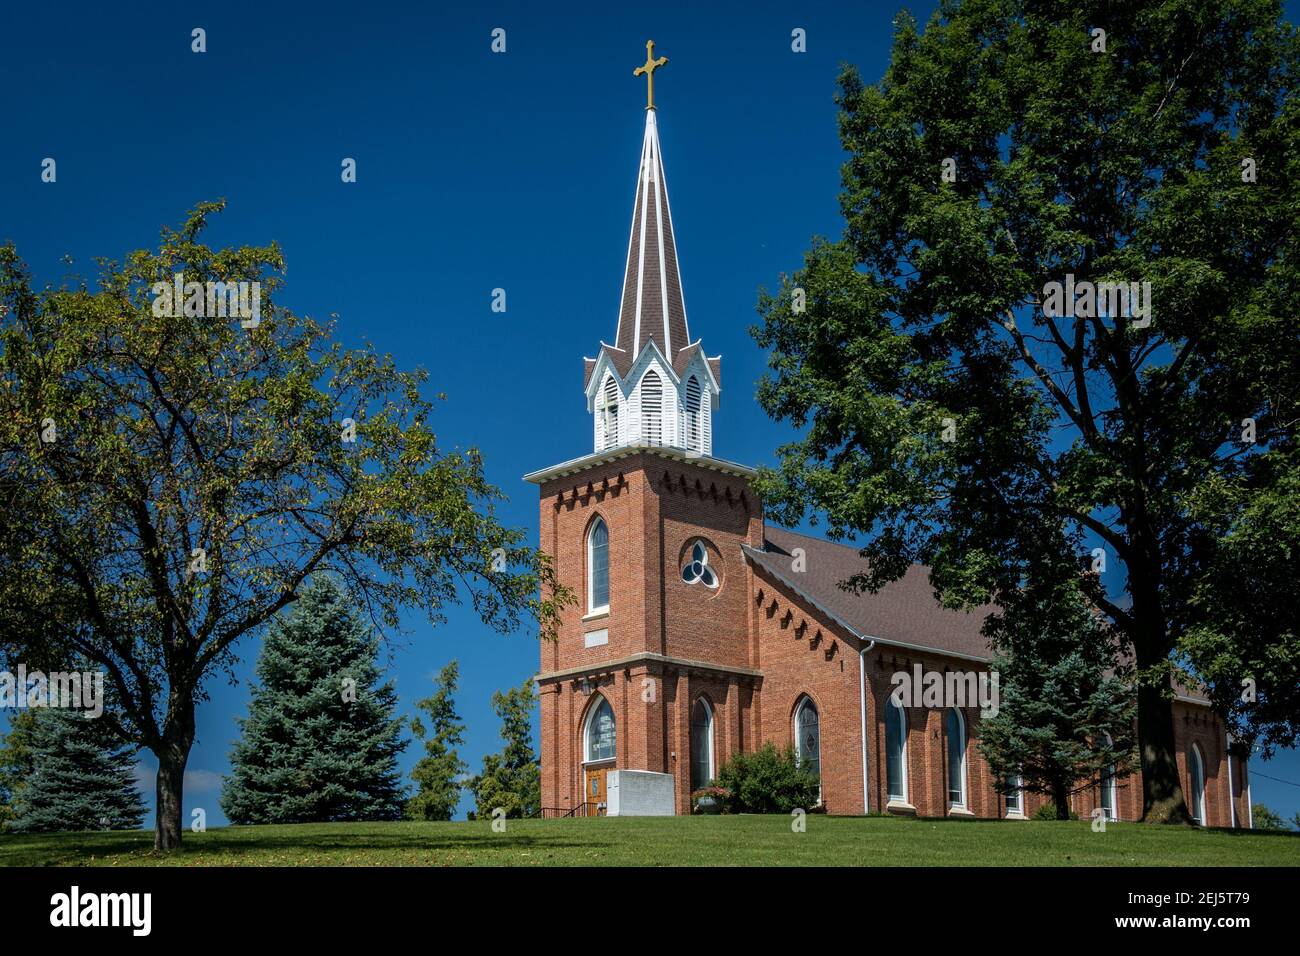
{"x": 652, "y": 306}
{"x": 653, "y": 385}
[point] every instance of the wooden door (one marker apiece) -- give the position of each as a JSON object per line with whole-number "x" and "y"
{"x": 595, "y": 795}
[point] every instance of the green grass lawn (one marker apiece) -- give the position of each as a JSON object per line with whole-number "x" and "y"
{"x": 670, "y": 841}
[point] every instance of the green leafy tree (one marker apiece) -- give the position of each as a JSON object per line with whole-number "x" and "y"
{"x": 1262, "y": 818}
{"x": 15, "y": 762}
{"x": 439, "y": 773}
{"x": 80, "y": 777}
{"x": 511, "y": 779}
{"x": 1243, "y": 634}
{"x": 768, "y": 780}
{"x": 321, "y": 741}
{"x": 1065, "y": 713}
{"x": 172, "y": 481}
{"x": 953, "y": 415}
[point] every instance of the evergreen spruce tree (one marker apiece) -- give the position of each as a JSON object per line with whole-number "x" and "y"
{"x": 81, "y": 778}
{"x": 1066, "y": 715}
{"x": 320, "y": 742}
{"x": 511, "y": 780}
{"x": 438, "y": 773}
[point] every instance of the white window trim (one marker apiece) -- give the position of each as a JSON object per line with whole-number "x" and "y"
{"x": 1020, "y": 790}
{"x": 901, "y": 801}
{"x": 1110, "y": 783}
{"x": 959, "y": 806}
{"x": 592, "y": 609}
{"x": 806, "y": 701}
{"x": 713, "y": 770}
{"x": 592, "y": 711}
{"x": 1200, "y": 777}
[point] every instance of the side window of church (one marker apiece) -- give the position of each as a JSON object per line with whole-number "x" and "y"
{"x": 598, "y": 567}
{"x": 600, "y": 733}
{"x": 808, "y": 737}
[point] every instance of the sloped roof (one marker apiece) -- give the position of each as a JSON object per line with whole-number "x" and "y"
{"x": 652, "y": 305}
{"x": 904, "y": 612}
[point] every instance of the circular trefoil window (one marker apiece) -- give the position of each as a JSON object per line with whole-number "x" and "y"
{"x": 697, "y": 568}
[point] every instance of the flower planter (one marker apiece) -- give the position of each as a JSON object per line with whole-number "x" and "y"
{"x": 709, "y": 805}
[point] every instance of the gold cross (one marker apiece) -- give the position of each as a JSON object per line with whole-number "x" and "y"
{"x": 651, "y": 64}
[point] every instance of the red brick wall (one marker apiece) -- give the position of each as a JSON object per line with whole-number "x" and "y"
{"x": 654, "y": 509}
{"x": 801, "y": 653}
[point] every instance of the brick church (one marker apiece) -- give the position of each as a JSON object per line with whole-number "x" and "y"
{"x": 703, "y": 631}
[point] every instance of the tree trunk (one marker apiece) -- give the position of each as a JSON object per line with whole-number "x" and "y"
{"x": 173, "y": 755}
{"x": 170, "y": 789}
{"x": 1061, "y": 799}
{"x": 1162, "y": 791}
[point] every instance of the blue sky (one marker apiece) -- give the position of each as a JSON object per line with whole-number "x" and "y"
{"x": 474, "y": 171}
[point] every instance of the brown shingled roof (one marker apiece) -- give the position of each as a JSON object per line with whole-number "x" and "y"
{"x": 903, "y": 612}
{"x": 653, "y": 306}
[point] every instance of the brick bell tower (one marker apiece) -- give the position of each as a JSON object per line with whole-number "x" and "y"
{"x": 650, "y": 685}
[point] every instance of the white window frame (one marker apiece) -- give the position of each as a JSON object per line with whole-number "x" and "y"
{"x": 807, "y": 702}
{"x": 902, "y": 757}
{"x": 586, "y": 731}
{"x": 592, "y": 607}
{"x": 1019, "y": 789}
{"x": 1110, "y": 787}
{"x": 961, "y": 730}
{"x": 1195, "y": 755}
{"x": 713, "y": 770}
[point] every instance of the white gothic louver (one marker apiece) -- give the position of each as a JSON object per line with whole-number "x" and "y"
{"x": 652, "y": 408}
{"x": 694, "y": 436}
{"x": 607, "y": 434}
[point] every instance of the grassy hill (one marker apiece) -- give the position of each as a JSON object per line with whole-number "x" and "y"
{"x": 670, "y": 841}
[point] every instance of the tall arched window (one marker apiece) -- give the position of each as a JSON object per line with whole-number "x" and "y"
{"x": 598, "y": 567}
{"x": 652, "y": 408}
{"x": 808, "y": 736}
{"x": 895, "y": 751}
{"x": 956, "y": 758}
{"x": 1196, "y": 777}
{"x": 701, "y": 744}
{"x": 600, "y": 739}
{"x": 608, "y": 413}
{"x": 694, "y": 434}
{"x": 1109, "y": 787}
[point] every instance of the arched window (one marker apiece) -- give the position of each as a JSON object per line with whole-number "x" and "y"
{"x": 1109, "y": 787}
{"x": 701, "y": 744}
{"x": 600, "y": 743}
{"x": 808, "y": 736}
{"x": 1196, "y": 777}
{"x": 895, "y": 751}
{"x": 598, "y": 567}
{"x": 694, "y": 433}
{"x": 608, "y": 414}
{"x": 956, "y": 758}
{"x": 652, "y": 408}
